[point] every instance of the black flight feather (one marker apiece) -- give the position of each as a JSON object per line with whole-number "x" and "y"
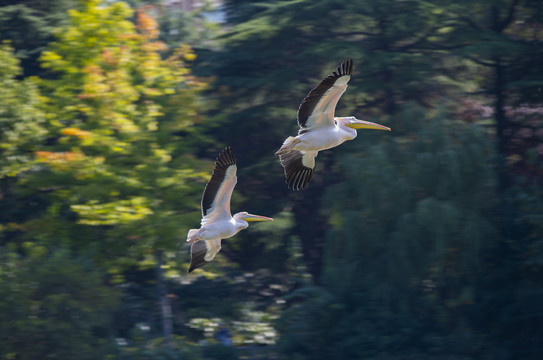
{"x": 198, "y": 251}
{"x": 224, "y": 161}
{"x": 312, "y": 99}
{"x": 297, "y": 175}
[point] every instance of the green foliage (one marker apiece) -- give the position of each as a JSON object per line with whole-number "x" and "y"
{"x": 110, "y": 177}
{"x": 391, "y": 50}
{"x": 115, "y": 161}
{"x": 415, "y": 248}
{"x": 54, "y": 305}
{"x": 501, "y": 36}
{"x": 29, "y": 25}
{"x": 183, "y": 27}
{"x": 410, "y": 229}
{"x": 513, "y": 295}
{"x": 276, "y": 51}
{"x": 21, "y": 119}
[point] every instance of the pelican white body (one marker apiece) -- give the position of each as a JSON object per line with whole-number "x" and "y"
{"x": 325, "y": 138}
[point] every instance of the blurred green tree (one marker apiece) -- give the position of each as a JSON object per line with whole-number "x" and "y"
{"x": 188, "y": 27}
{"x": 22, "y": 128}
{"x": 112, "y": 115}
{"x": 21, "y": 118}
{"x": 406, "y": 254}
{"x": 504, "y": 39}
{"x": 113, "y": 178}
{"x": 516, "y": 295}
{"x": 30, "y": 24}
{"x": 54, "y": 305}
{"x": 274, "y": 52}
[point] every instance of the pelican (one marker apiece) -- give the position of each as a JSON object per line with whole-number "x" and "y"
{"x": 319, "y": 129}
{"x": 217, "y": 222}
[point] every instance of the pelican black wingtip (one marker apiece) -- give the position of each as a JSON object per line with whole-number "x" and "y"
{"x": 226, "y": 157}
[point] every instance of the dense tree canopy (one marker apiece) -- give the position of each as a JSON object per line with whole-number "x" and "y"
{"x": 421, "y": 243}
{"x": 30, "y": 25}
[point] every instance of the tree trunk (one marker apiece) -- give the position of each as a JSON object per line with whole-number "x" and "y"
{"x": 500, "y": 117}
{"x": 165, "y": 305}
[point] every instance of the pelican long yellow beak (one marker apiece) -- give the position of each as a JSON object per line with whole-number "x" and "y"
{"x": 361, "y": 124}
{"x": 251, "y": 217}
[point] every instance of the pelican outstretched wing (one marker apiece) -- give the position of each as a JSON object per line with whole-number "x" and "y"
{"x": 218, "y": 191}
{"x": 202, "y": 252}
{"x": 298, "y": 167}
{"x": 318, "y": 107}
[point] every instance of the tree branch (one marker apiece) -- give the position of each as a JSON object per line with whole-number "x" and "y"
{"x": 481, "y": 62}
{"x": 358, "y": 33}
{"x": 510, "y": 15}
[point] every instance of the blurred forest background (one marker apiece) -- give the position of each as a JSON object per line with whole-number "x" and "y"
{"x": 422, "y": 243}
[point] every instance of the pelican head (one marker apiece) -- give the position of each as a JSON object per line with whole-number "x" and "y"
{"x": 250, "y": 217}
{"x": 354, "y": 123}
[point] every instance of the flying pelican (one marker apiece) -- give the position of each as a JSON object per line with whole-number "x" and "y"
{"x": 217, "y": 222}
{"x": 319, "y": 129}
